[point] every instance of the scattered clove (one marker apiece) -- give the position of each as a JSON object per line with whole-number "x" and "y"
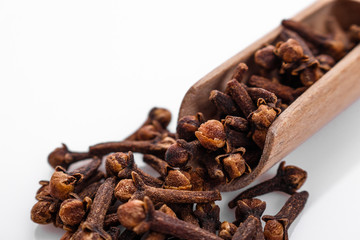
{"x": 167, "y": 195}
{"x": 140, "y": 216}
{"x": 276, "y": 227}
{"x": 288, "y": 179}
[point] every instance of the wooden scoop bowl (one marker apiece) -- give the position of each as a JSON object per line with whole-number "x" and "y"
{"x": 330, "y": 95}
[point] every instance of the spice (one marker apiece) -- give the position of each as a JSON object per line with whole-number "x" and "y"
{"x": 169, "y": 195}
{"x": 156, "y": 117}
{"x": 63, "y": 183}
{"x": 140, "y": 217}
{"x": 156, "y": 146}
{"x": 208, "y": 215}
{"x": 288, "y": 179}
{"x": 248, "y": 207}
{"x": 223, "y": 102}
{"x": 63, "y": 157}
{"x": 227, "y": 230}
{"x": 277, "y": 226}
{"x": 250, "y": 229}
{"x": 122, "y": 164}
{"x": 92, "y": 227}
{"x": 188, "y": 125}
{"x": 211, "y": 135}
{"x": 240, "y": 96}
{"x": 266, "y": 58}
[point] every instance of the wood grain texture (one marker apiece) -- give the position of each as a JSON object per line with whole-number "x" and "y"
{"x": 330, "y": 95}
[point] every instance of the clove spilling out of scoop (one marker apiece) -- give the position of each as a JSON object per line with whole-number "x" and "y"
{"x": 91, "y": 203}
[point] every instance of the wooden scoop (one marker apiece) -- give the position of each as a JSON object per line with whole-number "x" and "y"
{"x": 330, "y": 95}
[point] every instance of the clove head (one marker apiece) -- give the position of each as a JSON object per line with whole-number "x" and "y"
{"x": 131, "y": 214}
{"x": 62, "y": 184}
{"x": 293, "y": 177}
{"x": 274, "y": 230}
{"x": 188, "y": 125}
{"x": 147, "y": 132}
{"x": 124, "y": 190}
{"x": 41, "y": 212}
{"x": 176, "y": 155}
{"x": 162, "y": 115}
{"x": 234, "y": 164}
{"x": 266, "y": 58}
{"x": 117, "y": 163}
{"x": 177, "y": 179}
{"x": 289, "y": 51}
{"x": 60, "y": 157}
{"x": 227, "y": 230}
{"x": 263, "y": 117}
{"x": 247, "y": 207}
{"x": 72, "y": 212}
{"x": 211, "y": 135}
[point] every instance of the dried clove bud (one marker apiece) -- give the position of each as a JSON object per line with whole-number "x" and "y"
{"x": 211, "y": 135}
{"x": 240, "y": 96}
{"x": 239, "y": 72}
{"x": 334, "y": 47}
{"x": 266, "y": 58}
{"x": 180, "y": 153}
{"x": 236, "y": 123}
{"x": 250, "y": 229}
{"x": 260, "y": 93}
{"x": 234, "y": 164}
{"x": 282, "y": 91}
{"x": 122, "y": 164}
{"x": 227, "y": 230}
{"x": 160, "y": 117}
{"x": 169, "y": 195}
{"x": 92, "y": 227}
{"x": 208, "y": 216}
{"x": 178, "y": 179}
{"x": 63, "y": 183}
{"x": 276, "y": 227}
{"x": 248, "y": 207}
{"x": 223, "y": 102}
{"x": 124, "y": 190}
{"x": 263, "y": 117}
{"x": 159, "y": 236}
{"x": 140, "y": 217}
{"x": 288, "y": 179}
{"x": 73, "y": 210}
{"x": 310, "y": 75}
{"x": 63, "y": 157}
{"x": 44, "y": 211}
{"x": 188, "y": 125}
{"x": 289, "y": 51}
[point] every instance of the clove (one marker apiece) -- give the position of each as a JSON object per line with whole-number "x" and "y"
{"x": 63, "y": 157}
{"x": 141, "y": 216}
{"x": 288, "y": 180}
{"x": 276, "y": 227}
{"x": 164, "y": 195}
{"x": 122, "y": 164}
{"x": 92, "y": 227}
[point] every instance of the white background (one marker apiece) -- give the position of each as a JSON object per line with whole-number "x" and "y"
{"x": 82, "y": 72}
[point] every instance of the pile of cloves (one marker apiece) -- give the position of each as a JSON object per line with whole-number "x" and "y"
{"x": 124, "y": 202}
